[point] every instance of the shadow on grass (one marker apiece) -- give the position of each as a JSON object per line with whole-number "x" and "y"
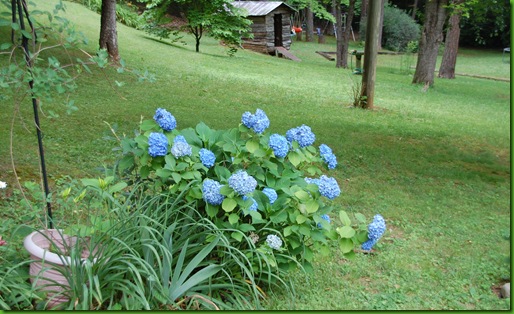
{"x": 181, "y": 45}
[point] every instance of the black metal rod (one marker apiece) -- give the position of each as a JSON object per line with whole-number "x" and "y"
{"x": 25, "y": 45}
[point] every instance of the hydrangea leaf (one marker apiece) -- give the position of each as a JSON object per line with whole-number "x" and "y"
{"x": 176, "y": 176}
{"x": 246, "y": 227}
{"x": 360, "y": 217}
{"x": 252, "y": 146}
{"x": 237, "y": 235}
{"x": 344, "y": 218}
{"x": 312, "y": 206}
{"x": 345, "y": 245}
{"x": 300, "y": 219}
{"x": 204, "y": 132}
{"x": 346, "y": 232}
{"x": 228, "y": 204}
{"x": 294, "y": 158}
{"x": 233, "y": 218}
{"x": 212, "y": 211}
{"x": 259, "y": 153}
{"x": 302, "y": 195}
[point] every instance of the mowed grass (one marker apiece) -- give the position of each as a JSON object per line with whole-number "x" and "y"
{"x": 435, "y": 164}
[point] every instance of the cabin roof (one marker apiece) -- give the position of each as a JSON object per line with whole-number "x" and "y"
{"x": 260, "y": 8}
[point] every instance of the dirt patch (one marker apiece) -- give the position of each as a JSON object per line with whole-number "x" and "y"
{"x": 496, "y": 289}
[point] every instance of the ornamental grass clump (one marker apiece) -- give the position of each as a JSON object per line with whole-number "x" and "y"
{"x": 250, "y": 182}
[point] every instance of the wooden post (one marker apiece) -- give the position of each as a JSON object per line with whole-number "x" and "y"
{"x": 370, "y": 54}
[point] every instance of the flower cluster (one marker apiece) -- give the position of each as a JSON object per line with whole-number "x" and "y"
{"x": 279, "y": 145}
{"x": 3, "y": 185}
{"x": 211, "y": 192}
{"x": 165, "y": 119}
{"x": 258, "y": 122}
{"x": 273, "y": 241}
{"x": 328, "y": 156}
{"x": 302, "y": 134}
{"x": 375, "y": 231}
{"x": 242, "y": 182}
{"x": 180, "y": 147}
{"x": 328, "y": 187}
{"x": 271, "y": 194}
{"x": 157, "y": 144}
{"x": 207, "y": 157}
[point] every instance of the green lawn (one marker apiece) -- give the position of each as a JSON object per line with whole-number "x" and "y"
{"x": 435, "y": 164}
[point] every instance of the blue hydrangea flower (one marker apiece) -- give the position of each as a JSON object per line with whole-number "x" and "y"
{"x": 207, "y": 157}
{"x": 179, "y": 138}
{"x": 274, "y": 241}
{"x": 328, "y": 187}
{"x": 242, "y": 182}
{"x": 180, "y": 147}
{"x": 324, "y": 217}
{"x": 328, "y": 156}
{"x": 258, "y": 122}
{"x": 157, "y": 144}
{"x": 254, "y": 205}
{"x": 271, "y": 194}
{"x": 366, "y": 246}
{"x": 211, "y": 192}
{"x": 302, "y": 134}
{"x": 165, "y": 119}
{"x": 312, "y": 181}
{"x": 375, "y": 231}
{"x": 279, "y": 144}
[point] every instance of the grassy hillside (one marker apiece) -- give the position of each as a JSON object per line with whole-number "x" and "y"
{"x": 435, "y": 164}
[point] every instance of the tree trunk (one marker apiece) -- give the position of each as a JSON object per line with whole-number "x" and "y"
{"x": 364, "y": 14}
{"x": 347, "y": 33}
{"x": 381, "y": 25}
{"x": 339, "y": 36}
{"x": 414, "y": 8}
{"x": 309, "y": 28}
{"x": 108, "y": 34}
{"x": 451, "y": 45}
{"x": 431, "y": 38}
{"x": 370, "y": 55}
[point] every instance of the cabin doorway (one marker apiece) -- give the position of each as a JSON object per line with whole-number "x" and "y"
{"x": 277, "y": 19}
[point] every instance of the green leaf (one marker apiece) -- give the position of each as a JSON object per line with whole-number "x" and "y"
{"x": 312, "y": 206}
{"x": 294, "y": 158}
{"x": 345, "y": 245}
{"x": 302, "y": 195}
{"x": 233, "y": 218}
{"x": 259, "y": 153}
{"x": 306, "y": 231}
{"x": 344, "y": 218}
{"x": 246, "y": 227}
{"x": 176, "y": 177}
{"x": 346, "y": 232}
{"x": 15, "y": 26}
{"x": 211, "y": 210}
{"x": 145, "y": 172}
{"x": 5, "y": 46}
{"x": 360, "y": 217}
{"x": 226, "y": 190}
{"x": 252, "y": 146}
{"x": 117, "y": 187}
{"x": 237, "y": 235}
{"x": 228, "y": 204}
{"x": 91, "y": 182}
{"x": 288, "y": 231}
{"x": 300, "y": 219}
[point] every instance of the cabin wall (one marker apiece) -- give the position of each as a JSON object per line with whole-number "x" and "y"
{"x": 263, "y": 32}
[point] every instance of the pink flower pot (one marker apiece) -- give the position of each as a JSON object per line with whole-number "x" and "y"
{"x": 47, "y": 268}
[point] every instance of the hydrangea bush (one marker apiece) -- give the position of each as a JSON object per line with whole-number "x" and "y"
{"x": 271, "y": 187}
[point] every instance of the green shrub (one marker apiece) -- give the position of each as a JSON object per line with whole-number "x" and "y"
{"x": 398, "y": 30}
{"x": 300, "y": 214}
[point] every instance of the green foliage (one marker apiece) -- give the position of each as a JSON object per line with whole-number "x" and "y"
{"x": 219, "y": 18}
{"x": 126, "y": 12}
{"x": 296, "y": 214}
{"x": 399, "y": 29}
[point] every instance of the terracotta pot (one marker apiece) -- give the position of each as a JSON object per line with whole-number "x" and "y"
{"x": 47, "y": 268}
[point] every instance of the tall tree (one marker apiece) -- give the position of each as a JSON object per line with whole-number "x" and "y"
{"x": 431, "y": 38}
{"x": 347, "y": 33}
{"x": 339, "y": 32}
{"x": 451, "y": 43}
{"x": 219, "y": 18}
{"x": 370, "y": 55}
{"x": 414, "y": 9}
{"x": 108, "y": 32}
{"x": 309, "y": 29}
{"x": 364, "y": 14}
